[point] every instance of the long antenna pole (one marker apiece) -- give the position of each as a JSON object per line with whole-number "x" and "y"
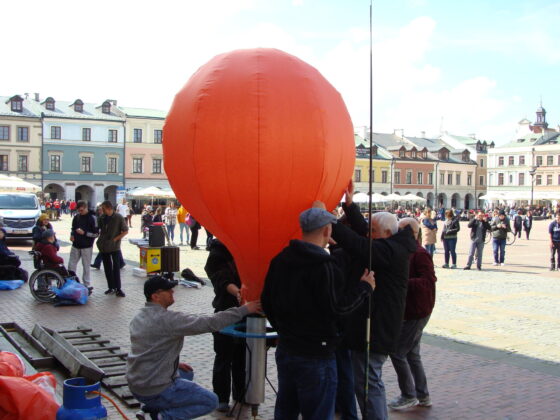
{"x": 369, "y": 303}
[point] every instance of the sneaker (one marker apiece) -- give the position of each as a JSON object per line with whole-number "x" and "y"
{"x": 89, "y": 290}
{"x": 223, "y": 407}
{"x": 95, "y": 266}
{"x": 495, "y": 263}
{"x": 402, "y": 403}
{"x": 109, "y": 291}
{"x": 119, "y": 293}
{"x": 425, "y": 402}
{"x": 502, "y": 264}
{"x": 467, "y": 268}
{"x": 454, "y": 266}
{"x": 445, "y": 266}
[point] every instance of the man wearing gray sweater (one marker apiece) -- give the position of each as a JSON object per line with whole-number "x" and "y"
{"x": 154, "y": 374}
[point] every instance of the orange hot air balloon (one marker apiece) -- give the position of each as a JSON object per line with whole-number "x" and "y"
{"x": 252, "y": 139}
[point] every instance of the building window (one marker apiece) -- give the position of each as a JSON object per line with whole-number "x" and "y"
{"x": 22, "y": 163}
{"x": 481, "y": 180}
{"x": 3, "y": 162}
{"x": 4, "y": 132}
{"x": 510, "y": 179}
{"x": 113, "y": 136}
{"x": 521, "y": 179}
{"x": 521, "y": 160}
{"x": 158, "y": 136}
{"x": 384, "y": 177}
{"x": 397, "y": 177}
{"x": 402, "y": 153}
{"x": 55, "y": 163}
{"x": 501, "y": 161}
{"x": 86, "y": 134}
{"x": 86, "y": 164}
{"x": 539, "y": 180}
{"x": 106, "y": 107}
{"x": 49, "y": 104}
{"x": 539, "y": 160}
{"x": 511, "y": 161}
{"x": 372, "y": 175}
{"x": 469, "y": 179}
{"x": 137, "y": 166}
{"x": 457, "y": 179}
{"x": 431, "y": 178}
{"x": 112, "y": 165}
{"x": 442, "y": 179}
{"x": 482, "y": 163}
{"x": 156, "y": 166}
{"x": 449, "y": 179}
{"x": 550, "y": 160}
{"x": 420, "y": 178}
{"x": 357, "y": 175}
{"x": 23, "y": 134}
{"x": 500, "y": 179}
{"x": 137, "y": 135}
{"x": 549, "y": 180}
{"x": 413, "y": 154}
{"x": 409, "y": 177}
{"x": 17, "y": 105}
{"x": 56, "y": 132}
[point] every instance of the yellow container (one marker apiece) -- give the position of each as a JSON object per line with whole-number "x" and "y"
{"x": 150, "y": 259}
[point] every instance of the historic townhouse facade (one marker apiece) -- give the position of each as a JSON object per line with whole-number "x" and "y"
{"x": 143, "y": 151}
{"x": 20, "y": 138}
{"x": 82, "y": 149}
{"x": 381, "y": 167}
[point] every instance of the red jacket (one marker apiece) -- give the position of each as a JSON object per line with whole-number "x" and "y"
{"x": 48, "y": 255}
{"x": 421, "y": 294}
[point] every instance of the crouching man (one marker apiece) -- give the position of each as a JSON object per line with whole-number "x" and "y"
{"x": 154, "y": 374}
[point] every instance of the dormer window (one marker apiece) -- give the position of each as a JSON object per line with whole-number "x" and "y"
{"x": 413, "y": 153}
{"x": 16, "y": 103}
{"x": 443, "y": 154}
{"x": 106, "y": 107}
{"x": 424, "y": 153}
{"x": 466, "y": 156}
{"x": 374, "y": 150}
{"x": 49, "y": 104}
{"x": 402, "y": 152}
{"x": 78, "y": 106}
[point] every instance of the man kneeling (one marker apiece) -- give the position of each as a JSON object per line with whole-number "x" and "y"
{"x": 154, "y": 374}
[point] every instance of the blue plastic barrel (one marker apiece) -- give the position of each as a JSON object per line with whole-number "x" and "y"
{"x": 78, "y": 402}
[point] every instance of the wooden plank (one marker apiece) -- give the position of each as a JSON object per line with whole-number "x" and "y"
{"x": 107, "y": 356}
{"x": 72, "y": 337}
{"x": 83, "y": 343}
{"x": 75, "y": 331}
{"x": 90, "y": 349}
{"x": 111, "y": 364}
{"x": 115, "y": 382}
{"x": 71, "y": 358}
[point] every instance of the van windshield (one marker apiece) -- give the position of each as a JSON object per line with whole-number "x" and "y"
{"x": 19, "y": 202}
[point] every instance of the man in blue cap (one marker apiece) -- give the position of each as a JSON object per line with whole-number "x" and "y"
{"x": 303, "y": 299}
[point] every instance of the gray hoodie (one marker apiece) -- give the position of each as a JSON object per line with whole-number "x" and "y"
{"x": 156, "y": 337}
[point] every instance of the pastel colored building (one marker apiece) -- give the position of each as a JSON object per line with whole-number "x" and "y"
{"x": 143, "y": 150}
{"x": 20, "y": 138}
{"x": 381, "y": 168}
{"x": 83, "y": 150}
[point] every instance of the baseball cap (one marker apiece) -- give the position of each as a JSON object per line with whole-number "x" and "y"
{"x": 315, "y": 218}
{"x": 155, "y": 283}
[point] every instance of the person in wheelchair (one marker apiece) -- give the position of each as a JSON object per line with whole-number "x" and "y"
{"x": 9, "y": 262}
{"x": 49, "y": 256}
{"x": 40, "y": 227}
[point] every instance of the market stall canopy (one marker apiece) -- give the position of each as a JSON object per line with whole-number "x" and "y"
{"x": 15, "y": 184}
{"x": 378, "y": 198}
{"x": 360, "y": 198}
{"x": 150, "y": 192}
{"x": 394, "y": 197}
{"x": 412, "y": 198}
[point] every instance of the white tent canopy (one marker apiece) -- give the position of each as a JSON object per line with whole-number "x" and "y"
{"x": 15, "y": 184}
{"x": 151, "y": 192}
{"x": 360, "y": 198}
{"x": 413, "y": 198}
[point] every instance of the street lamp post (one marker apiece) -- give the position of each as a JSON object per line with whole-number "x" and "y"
{"x": 532, "y": 172}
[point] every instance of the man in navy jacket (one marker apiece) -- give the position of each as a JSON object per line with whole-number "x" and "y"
{"x": 83, "y": 234}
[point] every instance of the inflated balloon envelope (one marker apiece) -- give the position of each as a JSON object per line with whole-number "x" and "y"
{"x": 252, "y": 139}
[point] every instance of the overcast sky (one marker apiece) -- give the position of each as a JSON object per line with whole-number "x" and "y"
{"x": 473, "y": 66}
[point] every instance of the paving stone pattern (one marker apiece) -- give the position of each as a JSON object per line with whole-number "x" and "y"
{"x": 512, "y": 308}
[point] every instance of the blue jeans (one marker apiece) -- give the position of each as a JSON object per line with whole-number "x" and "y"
{"x": 431, "y": 248}
{"x": 181, "y": 400}
{"x": 171, "y": 231}
{"x": 449, "y": 248}
{"x": 499, "y": 247}
{"x": 183, "y": 226}
{"x": 306, "y": 385}
{"x": 377, "y": 403}
{"x": 478, "y": 247}
{"x": 345, "y": 397}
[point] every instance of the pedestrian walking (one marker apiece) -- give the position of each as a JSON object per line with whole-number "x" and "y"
{"x": 518, "y": 224}
{"x": 500, "y": 227}
{"x": 449, "y": 238}
{"x": 83, "y": 234}
{"x": 112, "y": 228}
{"x": 429, "y": 232}
{"x": 528, "y": 223}
{"x": 182, "y": 214}
{"x": 554, "y": 231}
{"x": 171, "y": 220}
{"x": 479, "y": 226}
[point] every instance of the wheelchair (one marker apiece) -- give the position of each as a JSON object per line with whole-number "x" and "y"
{"x": 43, "y": 280}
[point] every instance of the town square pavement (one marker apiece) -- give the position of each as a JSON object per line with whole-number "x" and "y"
{"x": 492, "y": 348}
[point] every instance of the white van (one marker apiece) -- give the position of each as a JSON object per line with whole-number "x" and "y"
{"x": 18, "y": 214}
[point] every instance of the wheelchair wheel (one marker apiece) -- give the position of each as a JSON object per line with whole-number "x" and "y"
{"x": 41, "y": 284}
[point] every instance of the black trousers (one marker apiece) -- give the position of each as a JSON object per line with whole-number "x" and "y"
{"x": 527, "y": 232}
{"x": 194, "y": 236}
{"x": 112, "y": 267}
{"x": 554, "y": 249}
{"x": 228, "y": 374}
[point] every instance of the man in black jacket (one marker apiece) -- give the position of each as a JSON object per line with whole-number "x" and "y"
{"x": 390, "y": 251}
{"x": 83, "y": 234}
{"x": 229, "y": 363}
{"x": 302, "y": 300}
{"x": 479, "y": 226}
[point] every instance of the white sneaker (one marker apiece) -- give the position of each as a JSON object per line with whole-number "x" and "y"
{"x": 502, "y": 264}
{"x": 402, "y": 403}
{"x": 495, "y": 264}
